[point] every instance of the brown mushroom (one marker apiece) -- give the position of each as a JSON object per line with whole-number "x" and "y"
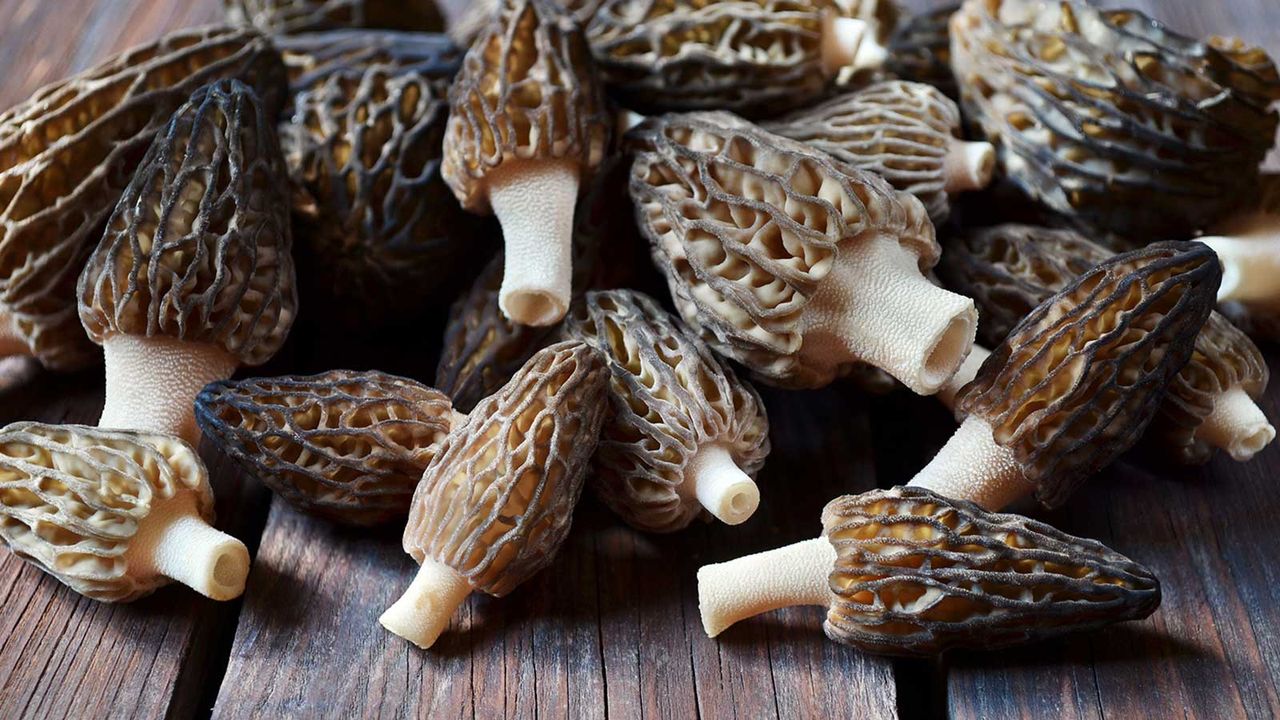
{"x": 66, "y": 155}
{"x": 194, "y": 274}
{"x": 685, "y": 436}
{"x": 909, "y": 572}
{"x": 346, "y": 446}
{"x": 920, "y": 50}
{"x": 527, "y": 128}
{"x": 495, "y": 504}
{"x": 114, "y": 514}
{"x": 310, "y": 58}
{"x": 790, "y": 262}
{"x": 292, "y": 16}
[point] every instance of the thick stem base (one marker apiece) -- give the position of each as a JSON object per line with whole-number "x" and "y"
{"x": 423, "y": 612}
{"x": 1237, "y": 425}
{"x": 792, "y": 575}
{"x": 720, "y": 486}
{"x": 971, "y": 466}
{"x": 174, "y": 541}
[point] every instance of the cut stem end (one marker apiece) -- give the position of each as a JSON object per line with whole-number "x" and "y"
{"x": 968, "y": 166}
{"x": 1237, "y": 425}
{"x": 720, "y": 485}
{"x": 423, "y": 612}
{"x": 174, "y": 541}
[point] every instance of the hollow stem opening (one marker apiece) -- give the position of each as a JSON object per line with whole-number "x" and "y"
{"x": 720, "y": 486}
{"x": 968, "y": 166}
{"x": 792, "y": 575}
{"x": 174, "y": 541}
{"x": 1237, "y": 425}
{"x": 967, "y": 371}
{"x": 423, "y": 612}
{"x": 973, "y": 467}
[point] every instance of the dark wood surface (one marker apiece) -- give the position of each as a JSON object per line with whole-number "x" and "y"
{"x": 611, "y": 629}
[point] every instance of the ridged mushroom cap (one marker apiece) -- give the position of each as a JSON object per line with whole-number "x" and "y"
{"x": 310, "y": 58}
{"x": 199, "y": 246}
{"x": 917, "y": 573}
{"x": 347, "y": 446}
{"x": 920, "y": 50}
{"x": 292, "y": 16}
{"x": 72, "y": 498}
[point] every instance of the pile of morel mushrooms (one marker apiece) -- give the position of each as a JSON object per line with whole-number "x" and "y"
{"x": 811, "y": 180}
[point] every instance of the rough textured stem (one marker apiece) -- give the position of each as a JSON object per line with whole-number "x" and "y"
{"x": 964, "y": 375}
{"x": 423, "y": 612}
{"x": 174, "y": 541}
{"x": 152, "y": 383}
{"x": 1237, "y": 425}
{"x": 11, "y": 340}
{"x": 876, "y": 307}
{"x": 1250, "y": 258}
{"x": 720, "y": 485}
{"x": 968, "y": 166}
{"x": 534, "y": 200}
{"x": 792, "y": 575}
{"x": 850, "y": 41}
{"x": 972, "y": 466}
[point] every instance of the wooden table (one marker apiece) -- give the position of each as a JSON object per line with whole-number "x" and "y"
{"x": 611, "y": 629}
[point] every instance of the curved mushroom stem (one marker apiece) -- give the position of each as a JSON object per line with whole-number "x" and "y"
{"x": 534, "y": 200}
{"x": 792, "y": 575}
{"x": 423, "y": 612}
{"x": 1249, "y": 251}
{"x": 152, "y": 383}
{"x": 973, "y": 467}
{"x": 968, "y": 166}
{"x": 875, "y": 306}
{"x": 850, "y": 42}
{"x": 1236, "y": 424}
{"x": 174, "y": 541}
{"x": 12, "y": 341}
{"x": 720, "y": 485}
{"x": 964, "y": 375}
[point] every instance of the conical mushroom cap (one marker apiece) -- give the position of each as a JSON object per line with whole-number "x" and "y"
{"x": 285, "y": 17}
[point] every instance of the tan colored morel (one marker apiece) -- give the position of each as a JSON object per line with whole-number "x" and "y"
{"x": 790, "y": 262}
{"x": 1248, "y": 246}
{"x": 66, "y": 155}
{"x": 194, "y": 275}
{"x": 685, "y": 437}
{"x": 906, "y": 571}
{"x": 527, "y": 128}
{"x": 310, "y": 58}
{"x": 114, "y": 514}
{"x": 496, "y": 503}
{"x": 293, "y": 16}
{"x": 920, "y": 50}
{"x": 907, "y": 133}
{"x": 346, "y": 446}
{"x": 1110, "y": 118}
{"x": 1076, "y": 383}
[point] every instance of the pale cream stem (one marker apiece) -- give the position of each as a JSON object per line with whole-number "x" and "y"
{"x": 964, "y": 375}
{"x": 788, "y": 576}
{"x": 719, "y": 484}
{"x": 850, "y": 42}
{"x": 968, "y": 166}
{"x": 973, "y": 467}
{"x": 1236, "y": 424}
{"x": 1249, "y": 250}
{"x": 174, "y": 541}
{"x": 423, "y": 612}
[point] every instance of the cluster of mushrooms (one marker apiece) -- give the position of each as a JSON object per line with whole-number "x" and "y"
{"x": 797, "y": 173}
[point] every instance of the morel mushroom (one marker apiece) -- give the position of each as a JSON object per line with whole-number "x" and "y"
{"x": 495, "y": 504}
{"x": 194, "y": 274}
{"x": 527, "y": 128}
{"x": 292, "y": 16}
{"x": 909, "y": 572}
{"x": 346, "y": 446}
{"x": 907, "y": 133}
{"x": 685, "y": 436}
{"x": 790, "y": 262}
{"x": 114, "y": 514}
{"x": 920, "y": 50}
{"x": 1010, "y": 269}
{"x": 65, "y": 158}
{"x": 1110, "y": 118}
{"x": 1075, "y": 384}
{"x": 1248, "y": 246}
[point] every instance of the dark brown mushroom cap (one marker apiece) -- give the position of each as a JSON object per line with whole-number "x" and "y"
{"x": 526, "y": 90}
{"x": 1109, "y": 117}
{"x": 292, "y": 16}
{"x": 670, "y": 397}
{"x": 310, "y": 58}
{"x": 199, "y": 246}
{"x": 67, "y": 154}
{"x": 920, "y": 50}
{"x": 1075, "y": 384}
{"x": 746, "y": 224}
{"x": 346, "y": 446}
{"x": 72, "y": 498}
{"x": 496, "y": 502}
{"x": 917, "y": 573}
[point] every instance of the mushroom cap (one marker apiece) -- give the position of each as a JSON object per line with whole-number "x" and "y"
{"x": 72, "y": 498}
{"x": 199, "y": 246}
{"x": 1109, "y": 117}
{"x": 670, "y": 396}
{"x": 746, "y": 224}
{"x": 917, "y": 573}
{"x": 920, "y": 50}
{"x": 496, "y": 502}
{"x": 526, "y": 90}
{"x": 1076, "y": 382}
{"x": 901, "y": 131}
{"x": 754, "y": 57}
{"x": 292, "y": 16}
{"x": 346, "y": 446}
{"x": 67, "y": 154}
{"x": 310, "y": 58}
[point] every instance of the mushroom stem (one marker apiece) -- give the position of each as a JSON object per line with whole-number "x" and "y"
{"x": 152, "y": 383}
{"x": 12, "y": 341}
{"x": 423, "y": 612}
{"x": 876, "y": 307}
{"x": 964, "y": 375}
{"x": 850, "y": 42}
{"x": 792, "y": 575}
{"x": 973, "y": 467}
{"x": 534, "y": 201}
{"x": 968, "y": 166}
{"x": 174, "y": 541}
{"x": 1236, "y": 424}
{"x": 1250, "y": 257}
{"x": 720, "y": 485}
